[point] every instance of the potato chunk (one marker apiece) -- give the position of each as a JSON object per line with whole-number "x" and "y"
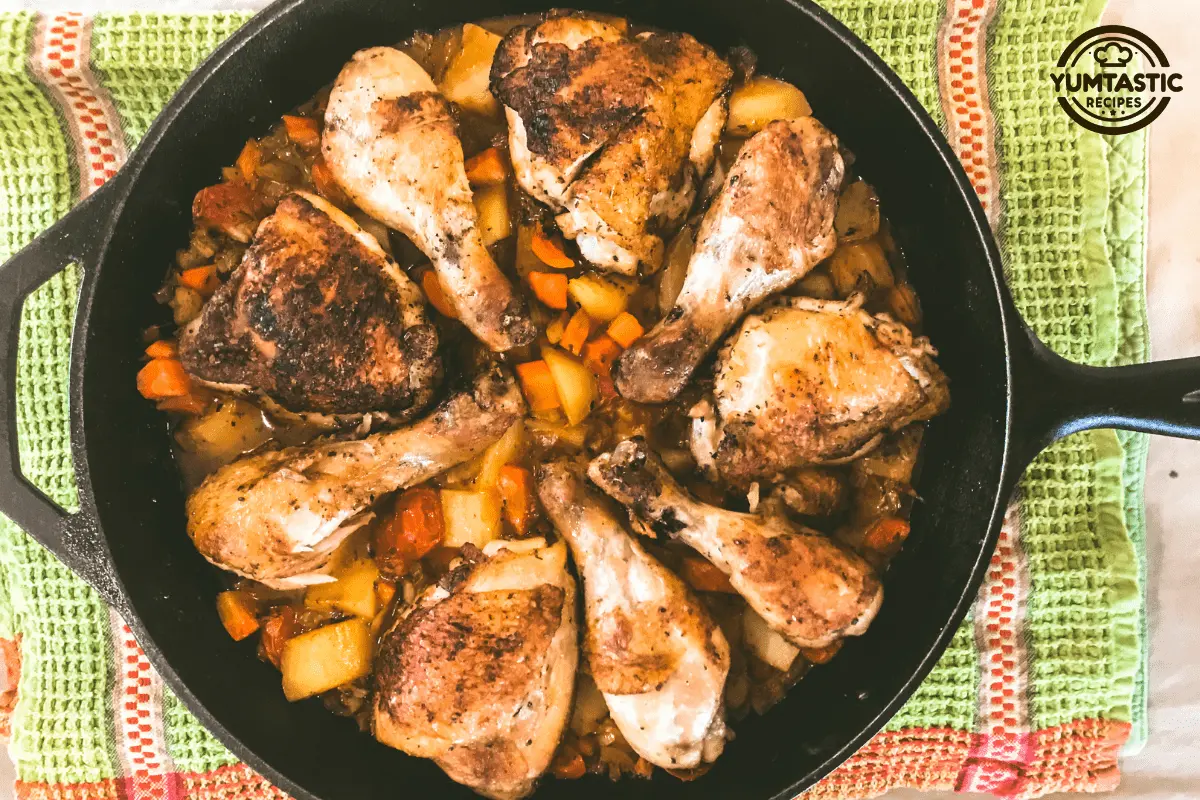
{"x": 761, "y": 101}
{"x": 576, "y": 384}
{"x": 861, "y": 267}
{"x": 326, "y": 658}
{"x": 353, "y": 592}
{"x": 769, "y": 645}
{"x": 491, "y": 203}
{"x": 466, "y": 79}
{"x": 602, "y": 298}
{"x": 471, "y": 517}
{"x": 231, "y": 428}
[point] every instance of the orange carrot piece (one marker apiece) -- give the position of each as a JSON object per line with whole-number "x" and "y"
{"x": 886, "y": 534}
{"x": 538, "y": 385}
{"x": 550, "y": 288}
{"x": 203, "y": 279}
{"x": 487, "y": 168}
{"x": 236, "y": 610}
{"x": 163, "y": 378}
{"x": 600, "y": 354}
{"x": 704, "y": 577}
{"x": 249, "y": 159}
{"x": 437, "y": 295}
{"x": 190, "y": 403}
{"x": 569, "y": 766}
{"x": 163, "y": 348}
{"x": 385, "y": 592}
{"x": 575, "y": 334}
{"x": 549, "y": 250}
{"x": 821, "y": 655}
{"x": 303, "y": 131}
{"x": 327, "y": 185}
{"x": 625, "y": 329}
{"x": 516, "y": 491}
{"x": 278, "y": 628}
{"x": 415, "y": 527}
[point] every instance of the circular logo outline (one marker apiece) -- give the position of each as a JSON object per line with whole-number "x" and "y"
{"x": 1118, "y": 36}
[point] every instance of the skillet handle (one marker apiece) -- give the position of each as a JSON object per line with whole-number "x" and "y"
{"x": 73, "y": 538}
{"x": 1054, "y": 397}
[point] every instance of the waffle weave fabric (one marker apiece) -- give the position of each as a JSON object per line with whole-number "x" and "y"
{"x": 1039, "y": 690}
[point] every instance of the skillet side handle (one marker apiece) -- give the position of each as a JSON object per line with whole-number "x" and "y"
{"x": 73, "y": 538}
{"x": 1054, "y": 397}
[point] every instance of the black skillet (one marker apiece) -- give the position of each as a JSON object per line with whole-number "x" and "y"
{"x": 1011, "y": 396}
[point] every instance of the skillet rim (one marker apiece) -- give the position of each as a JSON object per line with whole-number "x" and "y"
{"x": 125, "y": 184}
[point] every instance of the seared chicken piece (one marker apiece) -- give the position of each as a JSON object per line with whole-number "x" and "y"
{"x": 318, "y": 319}
{"x": 278, "y": 516}
{"x": 805, "y": 586}
{"x": 813, "y": 492}
{"x": 479, "y": 676}
{"x": 771, "y": 224}
{"x": 656, "y": 655}
{"x": 615, "y": 131}
{"x": 813, "y": 381}
{"x": 391, "y": 141}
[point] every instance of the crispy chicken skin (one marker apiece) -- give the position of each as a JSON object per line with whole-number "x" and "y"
{"x": 807, "y": 587}
{"x": 479, "y": 676}
{"x": 319, "y": 319}
{"x": 391, "y": 142}
{"x": 810, "y": 381}
{"x": 770, "y": 225}
{"x": 655, "y": 653}
{"x": 613, "y": 130}
{"x": 278, "y": 516}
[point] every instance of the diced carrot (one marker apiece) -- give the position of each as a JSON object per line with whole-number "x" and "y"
{"x": 190, "y": 403}
{"x": 886, "y": 534}
{"x": 228, "y": 206}
{"x": 385, "y": 592}
{"x": 303, "y": 131}
{"x": 625, "y": 329}
{"x": 576, "y": 332}
{"x": 704, "y": 577}
{"x": 550, "y": 288}
{"x": 236, "y": 610}
{"x": 549, "y": 250}
{"x": 436, "y": 295}
{"x": 248, "y": 161}
{"x": 516, "y": 491}
{"x": 414, "y": 527}
{"x": 600, "y": 353}
{"x": 538, "y": 385}
{"x": 278, "y": 628}
{"x": 162, "y": 378}
{"x": 163, "y": 348}
{"x": 487, "y": 167}
{"x": 569, "y": 765}
{"x": 203, "y": 279}
{"x": 327, "y": 185}
{"x": 821, "y": 655}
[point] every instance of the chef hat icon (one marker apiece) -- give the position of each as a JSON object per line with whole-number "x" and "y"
{"x": 1112, "y": 54}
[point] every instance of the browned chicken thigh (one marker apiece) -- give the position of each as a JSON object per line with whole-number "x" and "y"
{"x": 810, "y": 381}
{"x": 613, "y": 130}
{"x": 319, "y": 319}
{"x": 391, "y": 141}
{"x": 770, "y": 225}
{"x": 804, "y": 585}
{"x": 277, "y": 517}
{"x": 479, "y": 676}
{"x": 653, "y": 650}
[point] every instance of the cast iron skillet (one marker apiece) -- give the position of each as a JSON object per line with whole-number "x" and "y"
{"x": 1011, "y": 396}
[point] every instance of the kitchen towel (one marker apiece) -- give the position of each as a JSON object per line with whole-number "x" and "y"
{"x": 1043, "y": 685}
